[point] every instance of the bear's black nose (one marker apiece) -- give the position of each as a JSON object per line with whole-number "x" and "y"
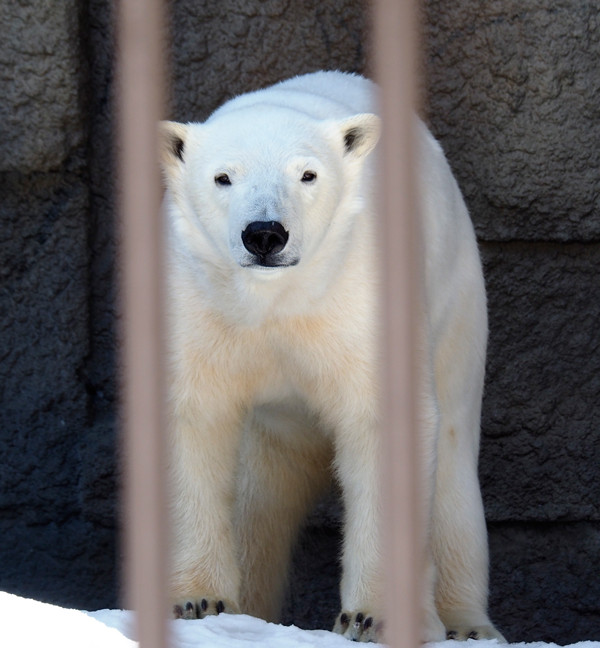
{"x": 263, "y": 238}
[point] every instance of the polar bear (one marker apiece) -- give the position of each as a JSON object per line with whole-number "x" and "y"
{"x": 273, "y": 357}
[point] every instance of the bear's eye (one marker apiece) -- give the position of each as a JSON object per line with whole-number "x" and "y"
{"x": 222, "y": 179}
{"x": 309, "y": 176}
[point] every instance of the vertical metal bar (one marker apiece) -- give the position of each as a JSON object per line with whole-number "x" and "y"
{"x": 395, "y": 39}
{"x": 140, "y": 108}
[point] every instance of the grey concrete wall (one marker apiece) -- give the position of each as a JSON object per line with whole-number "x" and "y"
{"x": 512, "y": 91}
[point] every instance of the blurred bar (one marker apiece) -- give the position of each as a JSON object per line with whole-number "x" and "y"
{"x": 141, "y": 64}
{"x": 395, "y": 39}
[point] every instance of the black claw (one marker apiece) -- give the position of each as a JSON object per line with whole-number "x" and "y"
{"x": 220, "y": 607}
{"x": 451, "y": 634}
{"x": 344, "y": 618}
{"x": 177, "y": 611}
{"x": 473, "y": 635}
{"x": 368, "y": 623}
{"x": 203, "y": 605}
{"x": 189, "y": 606}
{"x": 359, "y": 617}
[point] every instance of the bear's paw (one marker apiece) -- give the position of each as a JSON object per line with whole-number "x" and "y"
{"x": 198, "y": 607}
{"x": 464, "y": 632}
{"x": 359, "y": 626}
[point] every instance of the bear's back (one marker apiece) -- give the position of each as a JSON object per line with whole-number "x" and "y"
{"x": 320, "y": 95}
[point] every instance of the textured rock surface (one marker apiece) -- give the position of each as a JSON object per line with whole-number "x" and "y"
{"x": 543, "y": 586}
{"x": 40, "y": 71}
{"x": 541, "y": 450}
{"x": 515, "y": 97}
{"x": 513, "y": 92}
{"x": 56, "y": 450}
{"x": 221, "y": 49}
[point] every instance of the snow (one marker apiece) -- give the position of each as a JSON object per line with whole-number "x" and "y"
{"x": 25, "y": 623}
{"x": 30, "y": 624}
{"x": 229, "y": 631}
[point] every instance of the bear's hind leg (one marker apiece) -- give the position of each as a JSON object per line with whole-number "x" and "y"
{"x": 281, "y": 476}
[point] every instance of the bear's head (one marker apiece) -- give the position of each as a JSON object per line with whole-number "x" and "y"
{"x": 261, "y": 190}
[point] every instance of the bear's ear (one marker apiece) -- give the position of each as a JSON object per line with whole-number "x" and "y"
{"x": 172, "y": 139}
{"x": 360, "y": 133}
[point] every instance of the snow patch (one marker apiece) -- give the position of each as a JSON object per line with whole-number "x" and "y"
{"x": 25, "y": 623}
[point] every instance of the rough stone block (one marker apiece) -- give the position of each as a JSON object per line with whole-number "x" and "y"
{"x": 220, "y": 49}
{"x": 513, "y": 93}
{"x": 540, "y": 451}
{"x": 543, "y": 584}
{"x": 40, "y": 65}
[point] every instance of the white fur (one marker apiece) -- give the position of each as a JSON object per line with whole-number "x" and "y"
{"x": 273, "y": 370}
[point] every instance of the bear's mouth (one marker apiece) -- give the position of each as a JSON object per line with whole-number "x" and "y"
{"x": 269, "y": 263}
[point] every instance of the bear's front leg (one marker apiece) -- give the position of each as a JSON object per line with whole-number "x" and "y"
{"x": 205, "y": 576}
{"x": 357, "y": 464}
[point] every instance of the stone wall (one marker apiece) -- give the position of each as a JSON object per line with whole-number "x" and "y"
{"x": 514, "y": 95}
{"x": 512, "y": 89}
{"x": 57, "y": 445}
